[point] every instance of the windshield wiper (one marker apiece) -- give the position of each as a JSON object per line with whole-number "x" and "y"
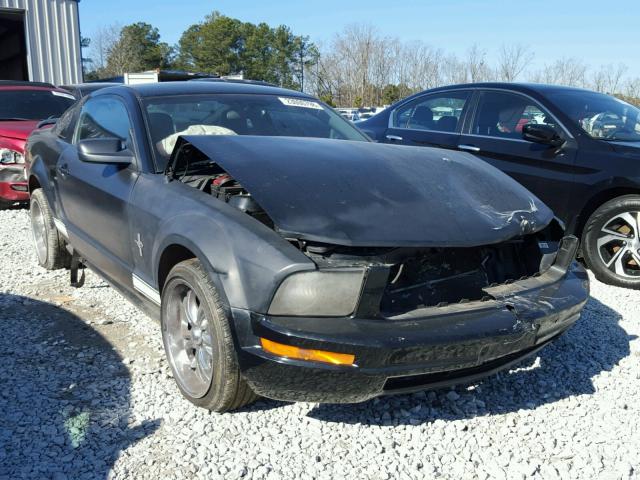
{"x": 15, "y": 119}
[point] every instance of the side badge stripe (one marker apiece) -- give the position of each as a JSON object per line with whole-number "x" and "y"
{"x": 145, "y": 289}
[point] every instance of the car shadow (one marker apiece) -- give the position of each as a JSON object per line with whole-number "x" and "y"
{"x": 566, "y": 367}
{"x": 64, "y": 401}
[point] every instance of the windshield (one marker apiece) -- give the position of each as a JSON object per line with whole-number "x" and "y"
{"x": 244, "y": 114}
{"x": 600, "y": 116}
{"x": 33, "y": 104}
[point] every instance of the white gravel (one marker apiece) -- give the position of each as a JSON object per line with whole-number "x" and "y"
{"x": 85, "y": 393}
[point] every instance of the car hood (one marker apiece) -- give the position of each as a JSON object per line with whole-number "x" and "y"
{"x": 20, "y": 129}
{"x": 629, "y": 148}
{"x": 368, "y": 194}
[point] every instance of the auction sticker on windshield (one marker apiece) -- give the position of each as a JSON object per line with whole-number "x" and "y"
{"x": 298, "y": 102}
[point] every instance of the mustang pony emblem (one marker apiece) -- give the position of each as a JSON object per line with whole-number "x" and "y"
{"x": 139, "y": 244}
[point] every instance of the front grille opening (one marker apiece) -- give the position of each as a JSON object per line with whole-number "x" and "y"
{"x": 442, "y": 276}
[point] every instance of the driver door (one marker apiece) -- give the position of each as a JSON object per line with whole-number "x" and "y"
{"x": 496, "y": 136}
{"x": 95, "y": 196}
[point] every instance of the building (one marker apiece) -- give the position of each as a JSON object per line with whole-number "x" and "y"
{"x": 40, "y": 41}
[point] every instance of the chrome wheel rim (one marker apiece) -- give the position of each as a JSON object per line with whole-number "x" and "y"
{"x": 39, "y": 231}
{"x": 188, "y": 340}
{"x": 618, "y": 244}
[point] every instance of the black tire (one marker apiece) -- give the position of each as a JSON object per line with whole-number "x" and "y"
{"x": 593, "y": 256}
{"x": 53, "y": 253}
{"x": 227, "y": 389}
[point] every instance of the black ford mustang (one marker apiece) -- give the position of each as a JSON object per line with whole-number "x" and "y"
{"x": 287, "y": 256}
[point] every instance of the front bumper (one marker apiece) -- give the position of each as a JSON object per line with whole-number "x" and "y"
{"x": 13, "y": 186}
{"x": 427, "y": 348}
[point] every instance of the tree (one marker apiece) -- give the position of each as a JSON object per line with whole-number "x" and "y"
{"x": 138, "y": 48}
{"x": 476, "y": 65}
{"x": 608, "y": 78}
{"x": 212, "y": 46}
{"x": 102, "y": 41}
{"x": 565, "y": 71}
{"x": 225, "y": 46}
{"x": 512, "y": 61}
{"x": 86, "y": 61}
{"x": 391, "y": 94}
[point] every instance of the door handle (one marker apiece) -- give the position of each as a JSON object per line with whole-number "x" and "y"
{"x": 394, "y": 138}
{"x": 469, "y": 148}
{"x": 63, "y": 169}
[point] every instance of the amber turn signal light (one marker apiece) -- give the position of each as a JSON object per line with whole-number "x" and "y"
{"x": 298, "y": 353}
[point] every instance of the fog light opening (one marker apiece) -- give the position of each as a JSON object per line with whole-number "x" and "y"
{"x": 297, "y": 353}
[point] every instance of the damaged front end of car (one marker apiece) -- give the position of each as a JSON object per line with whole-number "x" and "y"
{"x": 398, "y": 299}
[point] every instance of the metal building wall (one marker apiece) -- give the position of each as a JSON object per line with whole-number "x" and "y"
{"x": 53, "y": 39}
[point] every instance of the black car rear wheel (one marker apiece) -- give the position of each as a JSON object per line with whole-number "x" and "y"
{"x": 611, "y": 242}
{"x": 198, "y": 342}
{"x": 51, "y": 250}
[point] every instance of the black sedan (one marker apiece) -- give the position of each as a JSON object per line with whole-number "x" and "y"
{"x": 577, "y": 150}
{"x": 286, "y": 255}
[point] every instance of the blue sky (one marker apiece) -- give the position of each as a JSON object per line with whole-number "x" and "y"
{"x": 595, "y": 31}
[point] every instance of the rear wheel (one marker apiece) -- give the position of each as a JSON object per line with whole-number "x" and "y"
{"x": 50, "y": 247}
{"x": 611, "y": 242}
{"x": 198, "y": 342}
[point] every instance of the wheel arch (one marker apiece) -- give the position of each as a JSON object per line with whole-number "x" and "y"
{"x": 34, "y": 183}
{"x": 596, "y": 201}
{"x": 178, "y": 250}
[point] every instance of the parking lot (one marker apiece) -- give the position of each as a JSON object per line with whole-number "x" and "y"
{"x": 87, "y": 394}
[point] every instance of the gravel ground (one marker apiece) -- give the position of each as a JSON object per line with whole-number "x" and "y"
{"x": 86, "y": 393}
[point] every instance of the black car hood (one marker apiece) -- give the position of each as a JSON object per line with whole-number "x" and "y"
{"x": 368, "y": 194}
{"x": 628, "y": 148}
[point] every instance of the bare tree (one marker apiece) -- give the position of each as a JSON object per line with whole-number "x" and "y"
{"x": 608, "y": 79}
{"x": 512, "y": 61}
{"x": 565, "y": 71}
{"x": 632, "y": 88}
{"x": 476, "y": 65}
{"x": 359, "y": 65}
{"x": 102, "y": 42}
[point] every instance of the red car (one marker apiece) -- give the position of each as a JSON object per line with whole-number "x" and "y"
{"x": 22, "y": 106}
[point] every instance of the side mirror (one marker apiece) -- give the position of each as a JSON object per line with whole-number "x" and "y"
{"x": 104, "y": 150}
{"x": 545, "y": 134}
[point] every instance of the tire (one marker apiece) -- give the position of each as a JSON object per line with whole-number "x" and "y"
{"x": 611, "y": 242}
{"x": 50, "y": 246}
{"x": 198, "y": 342}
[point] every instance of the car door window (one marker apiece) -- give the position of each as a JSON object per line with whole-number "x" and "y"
{"x": 64, "y": 127}
{"x": 503, "y": 115}
{"x": 440, "y": 112}
{"x": 104, "y": 117}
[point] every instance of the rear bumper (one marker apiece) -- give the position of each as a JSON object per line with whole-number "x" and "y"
{"x": 429, "y": 348}
{"x": 13, "y": 186}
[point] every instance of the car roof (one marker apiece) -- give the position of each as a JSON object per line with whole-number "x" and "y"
{"x": 97, "y": 85}
{"x": 201, "y": 88}
{"x": 20, "y": 84}
{"x": 524, "y": 87}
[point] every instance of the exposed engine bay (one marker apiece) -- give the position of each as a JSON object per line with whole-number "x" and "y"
{"x": 224, "y": 187}
{"x": 419, "y": 278}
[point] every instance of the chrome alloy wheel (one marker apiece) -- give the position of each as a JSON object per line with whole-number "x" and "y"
{"x": 618, "y": 244}
{"x": 188, "y": 340}
{"x": 39, "y": 232}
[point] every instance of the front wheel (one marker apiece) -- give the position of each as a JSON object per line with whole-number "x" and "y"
{"x": 198, "y": 342}
{"x": 611, "y": 242}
